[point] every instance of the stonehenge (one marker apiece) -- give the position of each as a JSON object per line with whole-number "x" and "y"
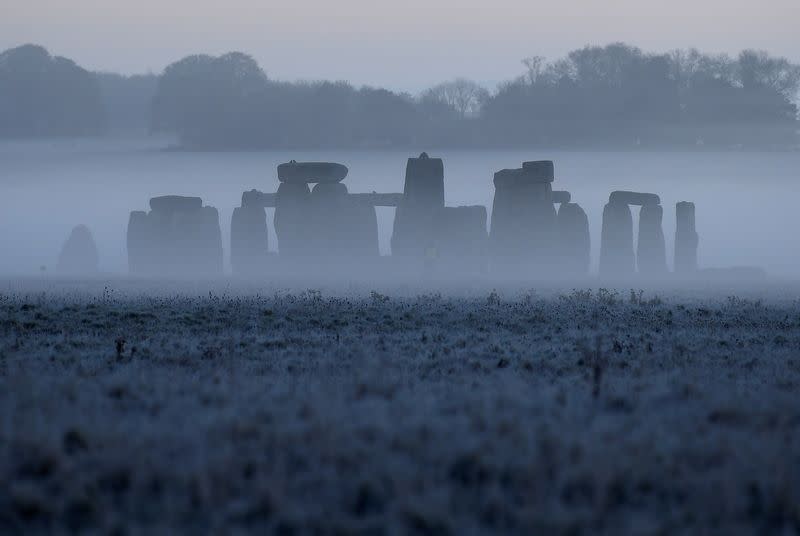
{"x": 461, "y": 240}
{"x": 533, "y": 232}
{"x": 573, "y": 241}
{"x": 686, "y": 239}
{"x": 78, "y": 256}
{"x": 527, "y": 236}
{"x": 651, "y": 251}
{"x": 249, "y": 239}
{"x": 616, "y": 241}
{"x": 422, "y": 201}
{"x": 617, "y": 259}
{"x": 178, "y": 237}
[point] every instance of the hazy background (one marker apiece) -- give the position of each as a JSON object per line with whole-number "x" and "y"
{"x": 84, "y": 127}
{"x": 746, "y": 202}
{"x": 406, "y": 46}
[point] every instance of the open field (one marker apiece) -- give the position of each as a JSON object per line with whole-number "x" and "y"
{"x": 220, "y": 408}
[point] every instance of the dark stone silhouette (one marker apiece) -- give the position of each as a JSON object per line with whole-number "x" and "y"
{"x": 79, "y": 254}
{"x": 561, "y": 197}
{"x": 141, "y": 244}
{"x": 423, "y": 199}
{"x": 686, "y": 239}
{"x": 249, "y": 240}
{"x": 311, "y": 172}
{"x": 522, "y": 230}
{"x": 343, "y": 228}
{"x": 293, "y": 220}
{"x": 633, "y": 198}
{"x": 574, "y": 241}
{"x": 616, "y": 241}
{"x": 169, "y": 204}
{"x": 650, "y": 250}
{"x": 461, "y": 240}
{"x": 326, "y": 224}
{"x": 178, "y": 237}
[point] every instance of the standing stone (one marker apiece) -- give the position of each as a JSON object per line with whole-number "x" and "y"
{"x": 344, "y": 229}
{"x": 423, "y": 199}
{"x": 686, "y": 239}
{"x": 178, "y": 237}
{"x": 79, "y": 254}
{"x": 651, "y": 253}
{"x": 363, "y": 231}
{"x": 213, "y": 257}
{"x": 293, "y": 219}
{"x": 523, "y": 234}
{"x": 139, "y": 238}
{"x": 461, "y": 244}
{"x": 574, "y": 241}
{"x": 249, "y": 240}
{"x": 616, "y": 241}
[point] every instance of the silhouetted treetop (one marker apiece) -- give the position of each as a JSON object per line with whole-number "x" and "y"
{"x": 596, "y": 95}
{"x": 44, "y": 95}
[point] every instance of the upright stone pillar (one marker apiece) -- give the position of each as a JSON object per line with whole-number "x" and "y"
{"x": 343, "y": 228}
{"x": 423, "y": 199}
{"x": 292, "y": 219}
{"x": 78, "y": 256}
{"x": 178, "y": 237}
{"x": 461, "y": 240}
{"x": 249, "y": 240}
{"x": 523, "y": 233}
{"x": 616, "y": 241}
{"x": 138, "y": 241}
{"x": 686, "y": 239}
{"x": 650, "y": 249}
{"x": 574, "y": 241}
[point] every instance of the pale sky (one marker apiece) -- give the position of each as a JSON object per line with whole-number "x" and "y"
{"x": 405, "y": 45}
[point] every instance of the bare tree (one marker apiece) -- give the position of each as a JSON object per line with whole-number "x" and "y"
{"x": 464, "y": 97}
{"x": 535, "y": 67}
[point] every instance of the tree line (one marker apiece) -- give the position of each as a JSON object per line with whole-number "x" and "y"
{"x": 613, "y": 95}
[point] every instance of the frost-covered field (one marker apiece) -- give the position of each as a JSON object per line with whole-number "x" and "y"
{"x": 212, "y": 409}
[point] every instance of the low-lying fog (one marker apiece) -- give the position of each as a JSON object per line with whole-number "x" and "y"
{"x": 746, "y": 202}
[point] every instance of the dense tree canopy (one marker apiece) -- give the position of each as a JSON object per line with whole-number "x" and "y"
{"x": 44, "y": 95}
{"x": 611, "y": 95}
